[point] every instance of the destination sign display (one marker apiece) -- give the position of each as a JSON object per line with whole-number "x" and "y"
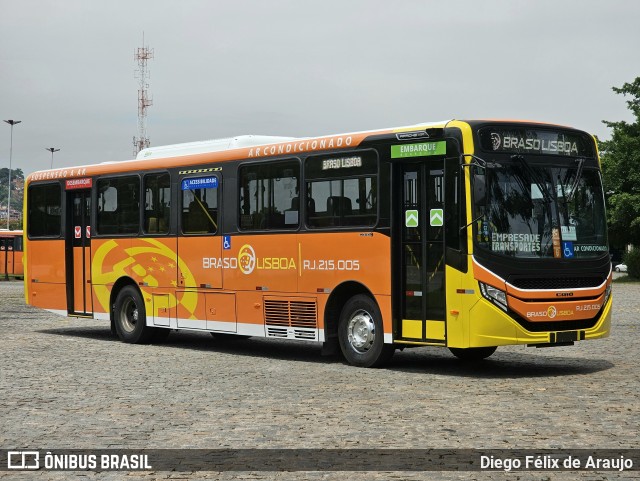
{"x": 536, "y": 141}
{"x": 84, "y": 183}
{"x": 341, "y": 165}
{"x": 422, "y": 149}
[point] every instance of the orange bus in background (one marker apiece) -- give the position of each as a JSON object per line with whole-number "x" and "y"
{"x": 462, "y": 234}
{"x": 11, "y": 254}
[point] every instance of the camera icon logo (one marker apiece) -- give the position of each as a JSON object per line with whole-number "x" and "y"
{"x": 23, "y": 460}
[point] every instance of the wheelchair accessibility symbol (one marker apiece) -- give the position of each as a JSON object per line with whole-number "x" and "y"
{"x": 226, "y": 242}
{"x": 567, "y": 249}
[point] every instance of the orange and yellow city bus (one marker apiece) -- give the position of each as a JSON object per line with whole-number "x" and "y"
{"x": 10, "y": 254}
{"x": 462, "y": 234}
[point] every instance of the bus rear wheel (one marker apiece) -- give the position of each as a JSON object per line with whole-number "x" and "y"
{"x": 131, "y": 318}
{"x": 361, "y": 334}
{"x": 473, "y": 353}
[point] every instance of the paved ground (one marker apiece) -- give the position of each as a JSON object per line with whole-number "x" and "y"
{"x": 66, "y": 383}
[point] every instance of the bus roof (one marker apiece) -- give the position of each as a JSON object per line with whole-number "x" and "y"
{"x": 221, "y": 150}
{"x": 241, "y": 141}
{"x": 205, "y": 146}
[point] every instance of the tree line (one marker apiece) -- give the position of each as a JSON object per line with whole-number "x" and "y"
{"x": 621, "y": 176}
{"x": 17, "y": 193}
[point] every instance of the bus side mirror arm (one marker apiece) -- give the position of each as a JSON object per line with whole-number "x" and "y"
{"x": 479, "y": 182}
{"x": 475, "y": 161}
{"x": 465, "y": 227}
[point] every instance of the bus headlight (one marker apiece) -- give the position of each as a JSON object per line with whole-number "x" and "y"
{"x": 495, "y": 295}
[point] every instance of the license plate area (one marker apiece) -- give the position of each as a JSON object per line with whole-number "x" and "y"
{"x": 565, "y": 336}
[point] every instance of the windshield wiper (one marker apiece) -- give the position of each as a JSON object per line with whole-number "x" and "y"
{"x": 574, "y": 187}
{"x": 542, "y": 186}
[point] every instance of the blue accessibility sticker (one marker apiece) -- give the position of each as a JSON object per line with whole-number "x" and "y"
{"x": 567, "y": 250}
{"x": 226, "y": 242}
{"x": 200, "y": 183}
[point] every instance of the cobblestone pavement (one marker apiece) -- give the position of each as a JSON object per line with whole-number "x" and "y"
{"x": 67, "y": 383}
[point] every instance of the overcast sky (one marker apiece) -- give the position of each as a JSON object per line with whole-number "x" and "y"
{"x": 300, "y": 68}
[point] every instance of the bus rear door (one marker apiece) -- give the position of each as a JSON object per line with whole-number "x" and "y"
{"x": 78, "y": 252}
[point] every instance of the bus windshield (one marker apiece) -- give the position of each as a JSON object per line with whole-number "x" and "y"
{"x": 541, "y": 211}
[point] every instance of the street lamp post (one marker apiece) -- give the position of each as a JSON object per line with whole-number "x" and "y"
{"x": 12, "y": 123}
{"x": 52, "y": 150}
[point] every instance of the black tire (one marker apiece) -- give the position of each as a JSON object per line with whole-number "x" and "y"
{"x": 473, "y": 353}
{"x": 130, "y": 317}
{"x": 361, "y": 334}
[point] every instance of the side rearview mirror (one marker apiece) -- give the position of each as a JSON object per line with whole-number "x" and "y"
{"x": 479, "y": 189}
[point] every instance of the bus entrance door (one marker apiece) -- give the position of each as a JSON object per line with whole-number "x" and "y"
{"x": 78, "y": 252}
{"x": 422, "y": 257}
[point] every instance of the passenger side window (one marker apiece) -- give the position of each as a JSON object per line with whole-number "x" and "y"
{"x": 118, "y": 205}
{"x": 200, "y": 205}
{"x": 342, "y": 190}
{"x": 17, "y": 243}
{"x": 157, "y": 203}
{"x": 45, "y": 213}
{"x": 269, "y": 196}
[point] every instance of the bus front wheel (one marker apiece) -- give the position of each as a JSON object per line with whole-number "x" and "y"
{"x": 131, "y": 318}
{"x": 361, "y": 334}
{"x": 473, "y": 353}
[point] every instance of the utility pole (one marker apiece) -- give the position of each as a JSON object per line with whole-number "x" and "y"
{"x": 142, "y": 55}
{"x": 12, "y": 123}
{"x": 52, "y": 150}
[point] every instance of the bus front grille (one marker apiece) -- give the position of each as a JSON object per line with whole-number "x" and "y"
{"x": 555, "y": 283}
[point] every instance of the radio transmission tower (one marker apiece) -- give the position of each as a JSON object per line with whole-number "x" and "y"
{"x": 142, "y": 55}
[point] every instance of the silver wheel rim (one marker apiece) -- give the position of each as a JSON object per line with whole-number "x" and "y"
{"x": 361, "y": 331}
{"x": 129, "y": 315}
